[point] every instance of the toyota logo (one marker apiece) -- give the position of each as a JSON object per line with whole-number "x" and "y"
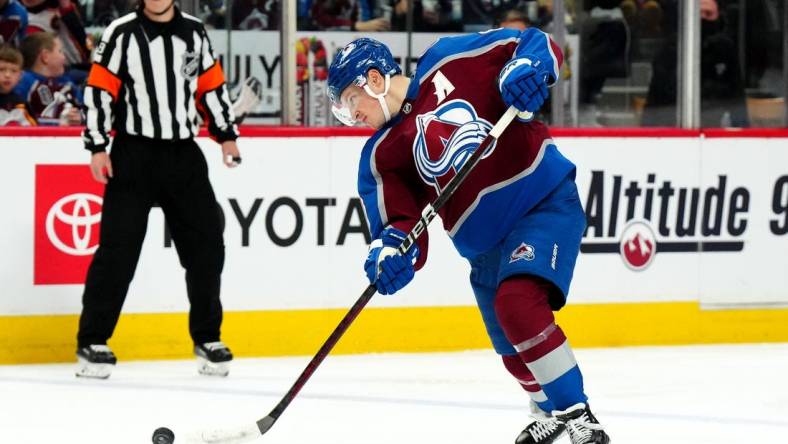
{"x": 79, "y": 218}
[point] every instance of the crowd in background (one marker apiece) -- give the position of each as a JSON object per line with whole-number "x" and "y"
{"x": 627, "y": 66}
{"x": 44, "y": 57}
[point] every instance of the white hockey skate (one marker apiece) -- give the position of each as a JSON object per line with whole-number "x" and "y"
{"x": 95, "y": 361}
{"x": 213, "y": 358}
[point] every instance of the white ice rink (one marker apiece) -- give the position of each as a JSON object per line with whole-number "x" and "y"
{"x": 692, "y": 395}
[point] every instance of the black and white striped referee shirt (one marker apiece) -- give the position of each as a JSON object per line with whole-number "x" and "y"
{"x": 151, "y": 79}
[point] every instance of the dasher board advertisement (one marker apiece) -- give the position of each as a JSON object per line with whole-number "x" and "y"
{"x": 678, "y": 219}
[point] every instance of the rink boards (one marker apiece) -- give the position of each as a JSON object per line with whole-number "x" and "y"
{"x": 687, "y": 239}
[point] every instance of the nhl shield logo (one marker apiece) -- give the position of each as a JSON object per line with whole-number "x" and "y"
{"x": 445, "y": 139}
{"x": 190, "y": 63}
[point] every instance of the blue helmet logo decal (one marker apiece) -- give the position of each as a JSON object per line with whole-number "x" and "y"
{"x": 346, "y": 51}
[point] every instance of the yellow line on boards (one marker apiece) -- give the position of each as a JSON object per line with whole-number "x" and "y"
{"x": 51, "y": 338}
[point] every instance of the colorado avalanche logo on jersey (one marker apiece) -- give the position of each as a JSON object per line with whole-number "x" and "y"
{"x": 523, "y": 252}
{"x": 445, "y": 139}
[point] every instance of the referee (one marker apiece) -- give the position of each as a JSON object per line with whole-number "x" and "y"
{"x": 153, "y": 77}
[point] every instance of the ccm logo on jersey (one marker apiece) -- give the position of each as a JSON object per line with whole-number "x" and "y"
{"x": 445, "y": 139}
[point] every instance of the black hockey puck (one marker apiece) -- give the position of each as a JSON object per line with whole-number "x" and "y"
{"x": 163, "y": 435}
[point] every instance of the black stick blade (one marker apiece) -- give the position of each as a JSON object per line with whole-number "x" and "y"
{"x": 265, "y": 424}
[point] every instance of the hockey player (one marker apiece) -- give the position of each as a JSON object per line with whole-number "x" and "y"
{"x": 517, "y": 217}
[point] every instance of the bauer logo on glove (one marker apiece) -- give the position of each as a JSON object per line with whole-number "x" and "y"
{"x": 523, "y": 84}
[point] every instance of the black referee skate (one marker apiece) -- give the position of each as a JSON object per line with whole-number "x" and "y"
{"x": 213, "y": 358}
{"x": 544, "y": 430}
{"x": 95, "y": 361}
{"x": 582, "y": 426}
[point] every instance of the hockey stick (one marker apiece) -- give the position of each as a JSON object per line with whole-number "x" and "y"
{"x": 250, "y": 432}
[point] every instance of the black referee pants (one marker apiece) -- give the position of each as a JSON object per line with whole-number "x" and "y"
{"x": 173, "y": 174}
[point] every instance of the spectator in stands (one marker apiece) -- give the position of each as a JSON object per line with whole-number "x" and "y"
{"x": 347, "y": 15}
{"x": 101, "y": 13}
{"x": 722, "y": 87}
{"x": 304, "y": 15}
{"x": 260, "y": 15}
{"x": 213, "y": 14}
{"x": 644, "y": 17}
{"x": 515, "y": 19}
{"x": 428, "y": 15}
{"x": 13, "y": 22}
{"x": 762, "y": 30}
{"x": 13, "y": 110}
{"x": 544, "y": 19}
{"x": 61, "y": 18}
{"x": 479, "y": 15}
{"x": 604, "y": 47}
{"x": 52, "y": 97}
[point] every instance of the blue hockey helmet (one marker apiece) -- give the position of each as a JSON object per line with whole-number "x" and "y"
{"x": 354, "y": 61}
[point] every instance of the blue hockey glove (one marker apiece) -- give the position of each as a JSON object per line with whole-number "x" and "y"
{"x": 385, "y": 267}
{"x": 523, "y": 83}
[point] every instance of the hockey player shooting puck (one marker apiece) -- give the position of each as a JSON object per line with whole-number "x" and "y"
{"x": 163, "y": 435}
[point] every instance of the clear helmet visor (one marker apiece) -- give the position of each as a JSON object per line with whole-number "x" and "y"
{"x": 345, "y": 110}
{"x": 344, "y": 114}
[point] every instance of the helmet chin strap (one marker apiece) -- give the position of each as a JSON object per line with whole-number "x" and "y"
{"x": 381, "y": 97}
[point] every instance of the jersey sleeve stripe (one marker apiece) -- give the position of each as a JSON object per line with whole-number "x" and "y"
{"x": 376, "y": 174}
{"x": 473, "y": 52}
{"x": 555, "y": 54}
{"x": 23, "y": 109}
{"x": 370, "y": 187}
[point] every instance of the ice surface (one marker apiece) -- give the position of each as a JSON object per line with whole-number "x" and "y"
{"x": 693, "y": 395}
